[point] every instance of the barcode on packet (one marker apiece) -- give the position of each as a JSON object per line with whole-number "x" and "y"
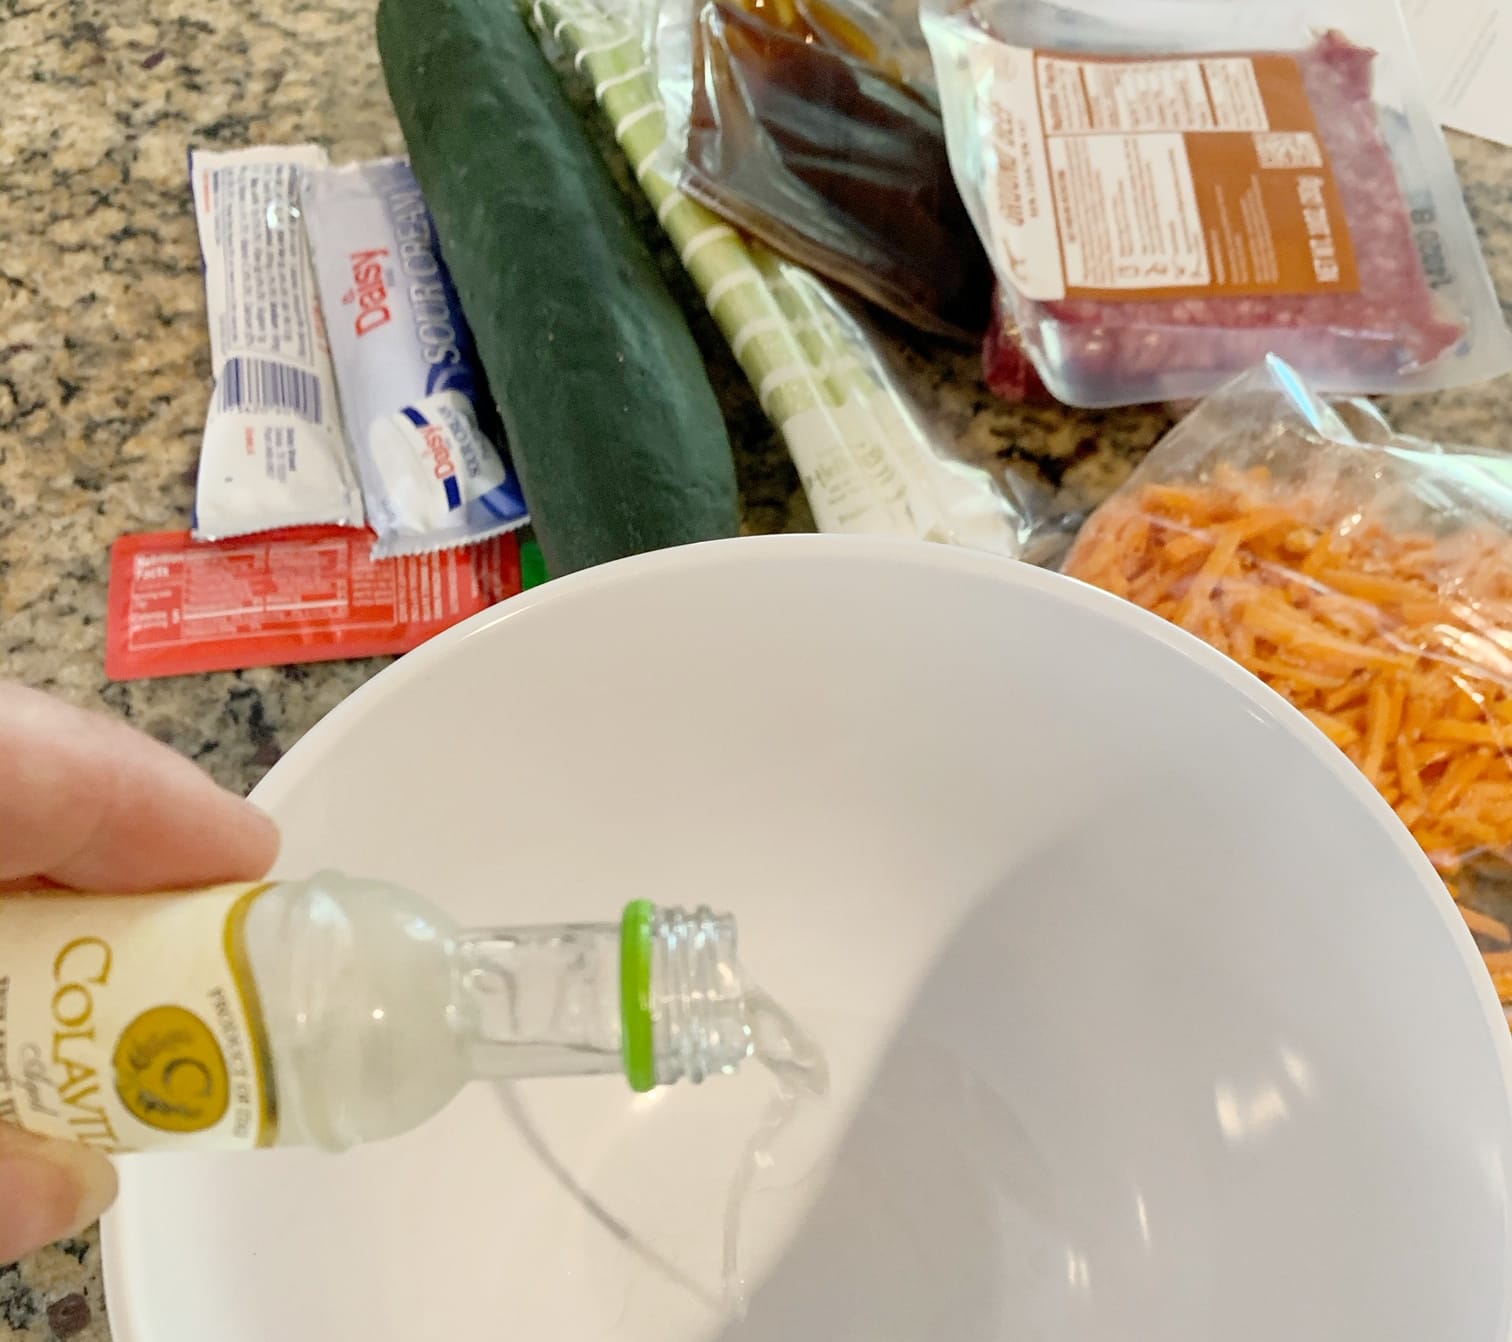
{"x": 261, "y": 385}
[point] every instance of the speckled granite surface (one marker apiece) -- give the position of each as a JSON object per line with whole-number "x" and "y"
{"x": 104, "y": 367}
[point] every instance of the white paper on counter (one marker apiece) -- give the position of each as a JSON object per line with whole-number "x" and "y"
{"x": 1465, "y": 49}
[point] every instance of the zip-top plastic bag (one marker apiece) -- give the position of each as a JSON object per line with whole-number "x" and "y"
{"x": 1171, "y": 189}
{"x": 1363, "y": 575}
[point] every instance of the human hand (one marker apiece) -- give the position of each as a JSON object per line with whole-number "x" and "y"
{"x": 88, "y": 804}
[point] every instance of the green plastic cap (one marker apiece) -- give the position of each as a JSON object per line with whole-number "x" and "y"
{"x": 639, "y": 1040}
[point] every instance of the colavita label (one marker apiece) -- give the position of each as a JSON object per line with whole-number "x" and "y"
{"x": 1158, "y": 177}
{"x": 130, "y": 1022}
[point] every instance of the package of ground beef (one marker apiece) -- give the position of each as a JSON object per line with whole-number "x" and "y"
{"x": 1170, "y": 190}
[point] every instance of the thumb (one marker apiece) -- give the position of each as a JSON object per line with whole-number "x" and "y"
{"x": 48, "y": 1190}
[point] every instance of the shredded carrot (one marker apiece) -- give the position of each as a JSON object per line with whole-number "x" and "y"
{"x": 1472, "y": 733}
{"x": 1462, "y": 771}
{"x": 1407, "y": 773}
{"x": 1398, "y": 646}
{"x": 1371, "y": 587}
{"x": 1179, "y": 549}
{"x": 1484, "y": 925}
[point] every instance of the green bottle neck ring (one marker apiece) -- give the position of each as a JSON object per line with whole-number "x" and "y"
{"x": 637, "y": 931}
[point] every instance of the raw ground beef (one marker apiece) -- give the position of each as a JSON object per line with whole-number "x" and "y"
{"x": 1393, "y": 324}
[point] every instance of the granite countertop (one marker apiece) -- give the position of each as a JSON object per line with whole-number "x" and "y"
{"x": 104, "y": 368}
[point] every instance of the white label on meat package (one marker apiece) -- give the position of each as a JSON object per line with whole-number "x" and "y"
{"x": 273, "y": 453}
{"x": 1092, "y": 176}
{"x": 127, "y": 1022}
{"x": 1021, "y": 205}
{"x": 1154, "y": 222}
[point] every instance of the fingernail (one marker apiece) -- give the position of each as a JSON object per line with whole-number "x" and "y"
{"x": 49, "y": 1194}
{"x": 271, "y": 836}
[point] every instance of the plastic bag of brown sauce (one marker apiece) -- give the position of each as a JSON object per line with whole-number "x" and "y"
{"x": 805, "y": 131}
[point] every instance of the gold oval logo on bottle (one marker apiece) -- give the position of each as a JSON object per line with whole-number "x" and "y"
{"x": 170, "y": 1071}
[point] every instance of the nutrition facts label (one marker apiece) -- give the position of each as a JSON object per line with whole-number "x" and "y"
{"x": 304, "y": 595}
{"x": 260, "y": 260}
{"x": 1217, "y": 93}
{"x": 1158, "y": 177}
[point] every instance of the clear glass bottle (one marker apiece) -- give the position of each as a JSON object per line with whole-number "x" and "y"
{"x": 378, "y": 1010}
{"x": 333, "y": 1011}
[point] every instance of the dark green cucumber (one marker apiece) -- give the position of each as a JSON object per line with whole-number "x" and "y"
{"x": 611, "y": 420}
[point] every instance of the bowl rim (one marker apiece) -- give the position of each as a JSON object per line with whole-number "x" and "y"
{"x": 884, "y": 552}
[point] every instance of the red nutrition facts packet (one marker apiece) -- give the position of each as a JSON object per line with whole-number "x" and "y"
{"x": 307, "y": 594}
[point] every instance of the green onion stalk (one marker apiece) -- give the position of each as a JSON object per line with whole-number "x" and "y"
{"x": 866, "y": 462}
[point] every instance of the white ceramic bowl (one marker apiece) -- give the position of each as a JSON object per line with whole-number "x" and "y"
{"x": 1147, "y": 1020}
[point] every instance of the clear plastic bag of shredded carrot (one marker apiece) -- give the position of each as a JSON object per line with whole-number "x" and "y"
{"x": 1366, "y": 577}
